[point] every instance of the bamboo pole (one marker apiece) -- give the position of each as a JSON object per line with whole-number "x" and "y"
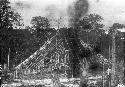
{"x": 113, "y": 58}
{"x": 103, "y": 75}
{"x": 109, "y": 72}
{"x": 9, "y": 59}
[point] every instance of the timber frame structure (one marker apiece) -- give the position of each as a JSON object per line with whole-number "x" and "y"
{"x": 52, "y": 55}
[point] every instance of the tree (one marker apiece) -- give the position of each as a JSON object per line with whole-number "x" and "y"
{"x": 91, "y": 21}
{"x": 114, "y": 28}
{"x": 7, "y": 18}
{"x": 116, "y": 38}
{"x": 91, "y": 29}
{"x": 113, "y": 31}
{"x": 40, "y": 24}
{"x": 5, "y": 14}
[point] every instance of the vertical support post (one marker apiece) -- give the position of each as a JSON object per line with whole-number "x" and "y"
{"x": 109, "y": 74}
{"x": 9, "y": 59}
{"x": 124, "y": 51}
{"x": 113, "y": 58}
{"x": 15, "y": 74}
{"x": 103, "y": 76}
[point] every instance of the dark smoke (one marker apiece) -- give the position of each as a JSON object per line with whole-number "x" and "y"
{"x": 77, "y": 10}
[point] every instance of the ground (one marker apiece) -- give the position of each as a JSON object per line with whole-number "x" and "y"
{"x": 47, "y": 83}
{"x": 40, "y": 83}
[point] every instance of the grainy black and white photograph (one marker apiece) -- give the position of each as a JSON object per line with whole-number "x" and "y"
{"x": 62, "y": 43}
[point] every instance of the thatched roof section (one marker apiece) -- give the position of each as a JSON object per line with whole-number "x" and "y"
{"x": 51, "y": 45}
{"x": 40, "y": 54}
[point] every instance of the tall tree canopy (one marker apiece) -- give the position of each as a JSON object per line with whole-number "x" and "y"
{"x": 92, "y": 32}
{"x": 117, "y": 36}
{"x": 91, "y": 29}
{"x": 41, "y": 28}
{"x": 91, "y": 21}
{"x": 116, "y": 26}
{"x": 39, "y": 22}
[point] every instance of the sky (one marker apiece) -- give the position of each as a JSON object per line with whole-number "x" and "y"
{"x": 53, "y": 9}
{"x": 112, "y": 11}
